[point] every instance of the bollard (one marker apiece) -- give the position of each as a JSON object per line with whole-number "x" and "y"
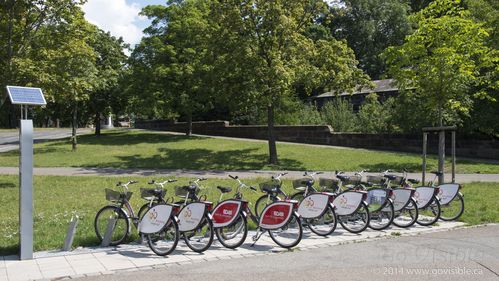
{"x": 106, "y": 241}
{"x": 70, "y": 235}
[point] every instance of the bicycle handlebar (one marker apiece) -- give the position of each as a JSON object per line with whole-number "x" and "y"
{"x": 233, "y": 177}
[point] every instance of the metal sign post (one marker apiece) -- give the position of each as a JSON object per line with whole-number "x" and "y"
{"x": 24, "y": 96}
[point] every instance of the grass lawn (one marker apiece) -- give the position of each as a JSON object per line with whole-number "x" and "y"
{"x": 138, "y": 149}
{"x": 57, "y": 198}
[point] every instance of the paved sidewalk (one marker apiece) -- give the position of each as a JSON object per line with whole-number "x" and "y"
{"x": 102, "y": 261}
{"x": 66, "y": 171}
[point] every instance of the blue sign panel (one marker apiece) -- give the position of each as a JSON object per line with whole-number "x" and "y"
{"x": 26, "y": 96}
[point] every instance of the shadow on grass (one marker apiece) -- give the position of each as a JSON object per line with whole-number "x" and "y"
{"x": 201, "y": 159}
{"x": 394, "y": 166}
{"x": 127, "y": 138}
{"x": 7, "y": 185}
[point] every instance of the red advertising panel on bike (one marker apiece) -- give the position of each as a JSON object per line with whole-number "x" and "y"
{"x": 225, "y": 213}
{"x": 276, "y": 215}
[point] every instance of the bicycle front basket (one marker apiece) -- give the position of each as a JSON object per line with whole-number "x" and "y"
{"x": 301, "y": 183}
{"x": 116, "y": 196}
{"x": 270, "y": 185}
{"x": 328, "y": 184}
{"x": 149, "y": 193}
{"x": 355, "y": 179}
{"x": 181, "y": 191}
{"x": 375, "y": 179}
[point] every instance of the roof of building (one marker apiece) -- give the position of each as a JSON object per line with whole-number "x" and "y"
{"x": 386, "y": 85}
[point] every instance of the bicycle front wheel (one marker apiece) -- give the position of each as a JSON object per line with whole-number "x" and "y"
{"x": 325, "y": 224}
{"x": 106, "y": 217}
{"x": 290, "y": 234}
{"x": 356, "y": 222}
{"x": 452, "y": 210}
{"x": 233, "y": 236}
{"x": 200, "y": 239}
{"x": 166, "y": 240}
{"x": 383, "y": 218}
{"x": 407, "y": 216}
{"x": 262, "y": 202}
{"x": 430, "y": 214}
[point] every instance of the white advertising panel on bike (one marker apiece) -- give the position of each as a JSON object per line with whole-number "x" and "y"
{"x": 155, "y": 219}
{"x": 190, "y": 216}
{"x": 226, "y": 212}
{"x": 400, "y": 198}
{"x": 447, "y": 192}
{"x": 347, "y": 202}
{"x": 377, "y": 197}
{"x": 423, "y": 195}
{"x": 276, "y": 215}
{"x": 313, "y": 206}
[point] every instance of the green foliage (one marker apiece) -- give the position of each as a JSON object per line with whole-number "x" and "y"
{"x": 375, "y": 117}
{"x": 444, "y": 58}
{"x": 370, "y": 26}
{"x": 339, "y": 115}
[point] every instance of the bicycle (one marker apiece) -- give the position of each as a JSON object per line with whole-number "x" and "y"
{"x": 272, "y": 190}
{"x": 451, "y": 200}
{"x": 115, "y": 216}
{"x": 194, "y": 219}
{"x": 279, "y": 218}
{"x": 428, "y": 203}
{"x": 380, "y": 204}
{"x": 351, "y": 209}
{"x": 230, "y": 216}
{"x": 404, "y": 204}
{"x": 159, "y": 223}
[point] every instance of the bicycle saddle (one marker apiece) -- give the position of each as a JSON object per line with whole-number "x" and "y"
{"x": 391, "y": 177}
{"x": 414, "y": 181}
{"x": 269, "y": 190}
{"x": 343, "y": 177}
{"x": 190, "y": 188}
{"x": 224, "y": 189}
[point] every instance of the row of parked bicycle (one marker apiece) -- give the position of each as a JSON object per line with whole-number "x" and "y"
{"x": 377, "y": 202}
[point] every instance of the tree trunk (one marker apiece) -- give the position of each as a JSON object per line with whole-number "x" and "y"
{"x": 271, "y": 135}
{"x": 74, "y": 125}
{"x": 97, "y": 123}
{"x": 189, "y": 125}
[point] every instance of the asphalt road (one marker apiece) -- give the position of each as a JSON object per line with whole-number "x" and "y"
{"x": 9, "y": 140}
{"x": 463, "y": 254}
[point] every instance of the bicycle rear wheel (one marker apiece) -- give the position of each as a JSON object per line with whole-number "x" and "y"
{"x": 234, "y": 235}
{"x": 383, "y": 218}
{"x": 430, "y": 214}
{"x": 356, "y": 222}
{"x": 109, "y": 215}
{"x": 407, "y": 216}
{"x": 325, "y": 224}
{"x": 165, "y": 241}
{"x": 200, "y": 239}
{"x": 452, "y": 210}
{"x": 290, "y": 234}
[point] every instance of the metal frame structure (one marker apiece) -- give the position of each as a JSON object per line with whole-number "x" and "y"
{"x": 441, "y": 150}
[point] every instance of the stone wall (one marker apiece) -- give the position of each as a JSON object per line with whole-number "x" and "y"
{"x": 466, "y": 146}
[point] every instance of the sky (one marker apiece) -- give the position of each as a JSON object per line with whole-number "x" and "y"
{"x": 120, "y": 17}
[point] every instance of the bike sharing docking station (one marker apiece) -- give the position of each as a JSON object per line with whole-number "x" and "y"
{"x": 441, "y": 150}
{"x": 25, "y": 97}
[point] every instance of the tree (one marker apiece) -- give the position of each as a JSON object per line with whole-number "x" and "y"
{"x": 370, "y": 26}
{"x": 110, "y": 62}
{"x": 67, "y": 63}
{"x": 21, "y": 26}
{"x": 445, "y": 56}
{"x": 262, "y": 52}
